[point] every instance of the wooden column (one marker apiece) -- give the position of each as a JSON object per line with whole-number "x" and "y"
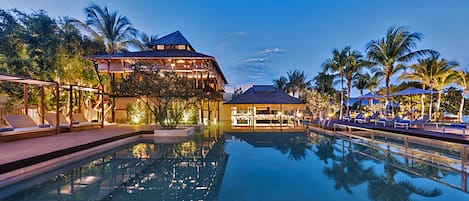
{"x": 113, "y": 77}
{"x": 102, "y": 107}
{"x": 70, "y": 114}
{"x": 57, "y": 108}
{"x": 26, "y": 98}
{"x": 42, "y": 111}
{"x": 79, "y": 101}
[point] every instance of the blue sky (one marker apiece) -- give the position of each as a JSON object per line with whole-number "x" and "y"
{"x": 258, "y": 41}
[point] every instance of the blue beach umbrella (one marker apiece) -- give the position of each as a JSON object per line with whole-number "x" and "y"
{"x": 412, "y": 91}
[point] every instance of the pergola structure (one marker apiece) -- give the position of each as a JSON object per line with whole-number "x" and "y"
{"x": 169, "y": 53}
{"x": 80, "y": 89}
{"x": 30, "y": 81}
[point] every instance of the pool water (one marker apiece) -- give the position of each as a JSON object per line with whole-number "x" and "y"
{"x": 254, "y": 166}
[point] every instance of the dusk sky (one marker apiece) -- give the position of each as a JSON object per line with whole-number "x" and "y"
{"x": 258, "y": 41}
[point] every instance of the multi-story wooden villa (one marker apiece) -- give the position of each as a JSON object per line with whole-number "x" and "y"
{"x": 169, "y": 53}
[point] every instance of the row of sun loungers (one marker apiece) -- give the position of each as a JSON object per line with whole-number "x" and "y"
{"x": 21, "y": 124}
{"x": 398, "y": 122}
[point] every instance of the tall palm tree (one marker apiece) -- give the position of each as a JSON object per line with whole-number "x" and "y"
{"x": 361, "y": 83}
{"x": 373, "y": 82}
{"x": 337, "y": 63}
{"x": 323, "y": 82}
{"x": 297, "y": 82}
{"x": 116, "y": 31}
{"x": 393, "y": 51}
{"x": 463, "y": 82}
{"x": 281, "y": 83}
{"x": 434, "y": 71}
{"x": 352, "y": 71}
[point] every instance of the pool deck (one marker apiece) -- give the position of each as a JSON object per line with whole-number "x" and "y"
{"x": 17, "y": 154}
{"x": 429, "y": 131}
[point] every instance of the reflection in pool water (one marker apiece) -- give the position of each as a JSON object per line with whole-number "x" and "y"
{"x": 259, "y": 166}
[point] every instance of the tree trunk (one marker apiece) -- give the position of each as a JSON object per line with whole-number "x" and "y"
{"x": 349, "y": 84}
{"x": 438, "y": 104}
{"x": 386, "y": 109}
{"x": 422, "y": 112}
{"x": 361, "y": 94}
{"x": 461, "y": 107}
{"x": 430, "y": 108}
{"x": 341, "y": 94}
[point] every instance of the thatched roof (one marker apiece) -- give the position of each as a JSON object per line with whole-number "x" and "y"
{"x": 264, "y": 94}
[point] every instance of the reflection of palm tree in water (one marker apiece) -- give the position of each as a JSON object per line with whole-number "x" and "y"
{"x": 349, "y": 172}
{"x": 325, "y": 149}
{"x": 295, "y": 147}
{"x": 387, "y": 189}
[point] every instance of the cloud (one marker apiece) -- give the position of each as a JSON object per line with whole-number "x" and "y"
{"x": 256, "y": 61}
{"x": 270, "y": 51}
{"x": 238, "y": 33}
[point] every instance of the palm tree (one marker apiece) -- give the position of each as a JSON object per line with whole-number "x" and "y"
{"x": 114, "y": 30}
{"x": 441, "y": 82}
{"x": 295, "y": 82}
{"x": 393, "y": 51}
{"x": 281, "y": 83}
{"x": 463, "y": 81}
{"x": 337, "y": 64}
{"x": 323, "y": 82}
{"x": 146, "y": 39}
{"x": 361, "y": 83}
{"x": 373, "y": 82}
{"x": 431, "y": 70}
{"x": 352, "y": 71}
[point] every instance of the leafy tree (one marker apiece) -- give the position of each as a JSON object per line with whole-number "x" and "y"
{"x": 393, "y": 51}
{"x": 337, "y": 63}
{"x": 167, "y": 95}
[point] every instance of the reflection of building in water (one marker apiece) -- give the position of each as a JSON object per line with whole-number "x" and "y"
{"x": 293, "y": 144}
{"x": 187, "y": 171}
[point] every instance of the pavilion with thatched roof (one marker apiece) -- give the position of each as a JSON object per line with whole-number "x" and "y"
{"x": 266, "y": 106}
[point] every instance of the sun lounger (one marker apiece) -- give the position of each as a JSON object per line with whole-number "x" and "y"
{"x": 421, "y": 121}
{"x": 402, "y": 124}
{"x": 455, "y": 126}
{"x": 384, "y": 120}
{"x": 367, "y": 119}
{"x": 349, "y": 118}
{"x": 79, "y": 120}
{"x": 23, "y": 124}
{"x": 51, "y": 118}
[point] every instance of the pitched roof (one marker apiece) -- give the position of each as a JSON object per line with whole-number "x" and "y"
{"x": 151, "y": 54}
{"x": 175, "y": 38}
{"x": 264, "y": 94}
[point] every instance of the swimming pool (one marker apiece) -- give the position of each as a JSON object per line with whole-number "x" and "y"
{"x": 257, "y": 166}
